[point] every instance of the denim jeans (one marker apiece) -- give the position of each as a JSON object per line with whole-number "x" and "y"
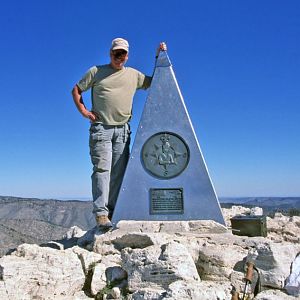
{"x": 109, "y": 150}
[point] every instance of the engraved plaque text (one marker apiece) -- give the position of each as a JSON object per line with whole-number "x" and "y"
{"x": 166, "y": 201}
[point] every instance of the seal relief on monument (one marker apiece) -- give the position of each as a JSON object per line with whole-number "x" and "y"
{"x": 165, "y": 155}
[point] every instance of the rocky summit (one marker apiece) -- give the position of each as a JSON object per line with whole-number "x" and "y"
{"x": 199, "y": 260}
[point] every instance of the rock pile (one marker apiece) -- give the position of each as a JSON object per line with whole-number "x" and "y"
{"x": 157, "y": 260}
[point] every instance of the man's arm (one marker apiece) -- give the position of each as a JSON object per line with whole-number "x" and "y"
{"x": 77, "y": 97}
{"x": 145, "y": 81}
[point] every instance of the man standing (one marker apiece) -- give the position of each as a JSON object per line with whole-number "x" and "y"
{"x": 113, "y": 87}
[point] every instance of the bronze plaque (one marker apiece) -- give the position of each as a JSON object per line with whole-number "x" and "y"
{"x": 166, "y": 201}
{"x": 165, "y": 155}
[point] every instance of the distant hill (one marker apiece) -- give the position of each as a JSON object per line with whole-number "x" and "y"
{"x": 269, "y": 204}
{"x": 37, "y": 221}
{"x": 266, "y": 201}
{"x": 56, "y": 212}
{"x": 16, "y": 232}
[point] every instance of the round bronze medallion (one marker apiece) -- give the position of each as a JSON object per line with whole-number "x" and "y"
{"x": 165, "y": 155}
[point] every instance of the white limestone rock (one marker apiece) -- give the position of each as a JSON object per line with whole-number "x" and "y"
{"x": 173, "y": 227}
{"x": 235, "y": 210}
{"x": 44, "y": 273}
{"x": 273, "y": 295}
{"x": 204, "y": 290}
{"x": 187, "y": 290}
{"x": 88, "y": 259}
{"x": 295, "y": 220}
{"x": 291, "y": 232}
{"x": 283, "y": 228}
{"x": 206, "y": 226}
{"x": 256, "y": 211}
{"x": 108, "y": 271}
{"x": 169, "y": 227}
{"x": 77, "y": 296}
{"x": 148, "y": 294}
{"x": 113, "y": 242}
{"x": 158, "y": 266}
{"x": 138, "y": 226}
{"x": 111, "y": 260}
{"x": 99, "y": 279}
{"x": 115, "y": 293}
{"x": 162, "y": 263}
{"x": 74, "y": 232}
{"x": 219, "y": 255}
{"x": 274, "y": 262}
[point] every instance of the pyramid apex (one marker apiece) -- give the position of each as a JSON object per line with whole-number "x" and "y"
{"x": 163, "y": 60}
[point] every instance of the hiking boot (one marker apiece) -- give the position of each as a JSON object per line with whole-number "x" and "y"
{"x": 103, "y": 222}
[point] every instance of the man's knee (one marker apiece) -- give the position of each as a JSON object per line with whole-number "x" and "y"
{"x": 100, "y": 169}
{"x": 101, "y": 163}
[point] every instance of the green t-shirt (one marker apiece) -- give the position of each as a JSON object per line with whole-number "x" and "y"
{"x": 113, "y": 91}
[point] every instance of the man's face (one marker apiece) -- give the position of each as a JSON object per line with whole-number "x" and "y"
{"x": 118, "y": 58}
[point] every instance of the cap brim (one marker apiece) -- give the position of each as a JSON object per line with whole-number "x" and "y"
{"x": 120, "y": 47}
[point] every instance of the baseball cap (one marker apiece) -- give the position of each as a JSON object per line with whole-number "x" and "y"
{"x": 119, "y": 43}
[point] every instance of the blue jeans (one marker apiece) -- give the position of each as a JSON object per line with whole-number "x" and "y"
{"x": 109, "y": 150}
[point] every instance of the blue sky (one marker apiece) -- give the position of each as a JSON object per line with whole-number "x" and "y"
{"x": 237, "y": 64}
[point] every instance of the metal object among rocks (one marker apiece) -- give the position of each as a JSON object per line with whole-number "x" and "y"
{"x": 249, "y": 225}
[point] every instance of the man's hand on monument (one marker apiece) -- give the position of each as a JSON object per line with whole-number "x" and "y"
{"x": 162, "y": 47}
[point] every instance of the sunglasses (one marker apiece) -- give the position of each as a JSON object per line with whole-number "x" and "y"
{"x": 119, "y": 53}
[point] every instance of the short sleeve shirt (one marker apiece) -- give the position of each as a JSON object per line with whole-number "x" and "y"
{"x": 112, "y": 91}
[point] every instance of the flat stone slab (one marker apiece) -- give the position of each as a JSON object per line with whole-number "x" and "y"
{"x": 194, "y": 226}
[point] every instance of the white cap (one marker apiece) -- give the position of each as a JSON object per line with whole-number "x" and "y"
{"x": 119, "y": 43}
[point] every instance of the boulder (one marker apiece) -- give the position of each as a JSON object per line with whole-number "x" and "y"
{"x": 43, "y": 273}
{"x": 274, "y": 261}
{"x": 148, "y": 294}
{"x": 187, "y": 290}
{"x": 74, "y": 232}
{"x": 99, "y": 279}
{"x": 88, "y": 259}
{"x": 218, "y": 256}
{"x": 284, "y": 228}
{"x": 106, "y": 273}
{"x": 199, "y": 290}
{"x": 158, "y": 266}
{"x": 113, "y": 242}
{"x": 273, "y": 295}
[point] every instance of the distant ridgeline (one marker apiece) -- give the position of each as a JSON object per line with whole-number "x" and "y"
{"x": 76, "y": 212}
{"x": 270, "y": 205}
{"x": 55, "y": 212}
{"x": 37, "y": 221}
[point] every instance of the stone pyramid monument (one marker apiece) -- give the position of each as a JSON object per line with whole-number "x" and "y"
{"x": 166, "y": 176}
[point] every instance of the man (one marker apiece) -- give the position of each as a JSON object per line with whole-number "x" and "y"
{"x": 113, "y": 87}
